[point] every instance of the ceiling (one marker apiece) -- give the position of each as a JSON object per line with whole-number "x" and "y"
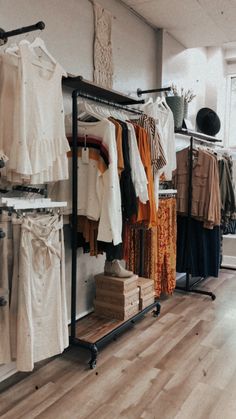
{"x": 194, "y": 23}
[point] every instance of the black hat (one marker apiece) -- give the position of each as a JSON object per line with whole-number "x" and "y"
{"x": 208, "y": 121}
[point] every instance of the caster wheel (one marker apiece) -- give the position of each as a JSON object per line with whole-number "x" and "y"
{"x": 92, "y": 365}
{"x": 156, "y": 313}
{"x": 2, "y": 234}
{"x": 3, "y": 302}
{"x": 213, "y": 297}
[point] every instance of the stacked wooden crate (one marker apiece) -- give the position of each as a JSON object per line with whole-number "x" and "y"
{"x": 116, "y": 298}
{"x": 146, "y": 292}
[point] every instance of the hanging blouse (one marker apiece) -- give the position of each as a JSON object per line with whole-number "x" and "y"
{"x": 128, "y": 196}
{"x": 137, "y": 169}
{"x": 165, "y": 128}
{"x": 99, "y": 196}
{"x": 146, "y": 212}
{"x": 120, "y": 157}
{"x": 38, "y": 145}
{"x": 205, "y": 187}
{"x": 158, "y": 157}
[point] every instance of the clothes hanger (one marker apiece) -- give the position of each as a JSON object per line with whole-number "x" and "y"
{"x": 39, "y": 43}
{"x": 165, "y": 103}
{"x": 160, "y": 103}
{"x": 14, "y": 47}
{"x": 149, "y": 101}
{"x": 86, "y": 112}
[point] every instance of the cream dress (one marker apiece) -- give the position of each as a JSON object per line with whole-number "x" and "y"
{"x": 32, "y": 131}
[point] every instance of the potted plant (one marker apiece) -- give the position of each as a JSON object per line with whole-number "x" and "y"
{"x": 178, "y": 102}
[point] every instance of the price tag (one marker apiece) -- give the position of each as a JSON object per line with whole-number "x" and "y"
{"x": 85, "y": 155}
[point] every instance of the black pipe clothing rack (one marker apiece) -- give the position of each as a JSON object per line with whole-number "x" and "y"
{"x": 3, "y": 300}
{"x": 204, "y": 139}
{"x": 25, "y": 29}
{"x": 141, "y": 92}
{"x": 85, "y": 89}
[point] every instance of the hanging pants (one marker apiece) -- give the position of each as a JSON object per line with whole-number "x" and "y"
{"x": 165, "y": 279}
{"x": 159, "y": 248}
{"x": 42, "y": 329}
{"x": 202, "y": 256}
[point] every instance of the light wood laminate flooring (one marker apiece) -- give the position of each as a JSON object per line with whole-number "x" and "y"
{"x": 181, "y": 365}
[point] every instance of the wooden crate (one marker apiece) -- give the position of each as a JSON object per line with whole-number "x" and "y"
{"x": 124, "y": 300}
{"x": 146, "y": 301}
{"x": 113, "y": 284}
{"x": 146, "y": 286}
{"x": 113, "y": 311}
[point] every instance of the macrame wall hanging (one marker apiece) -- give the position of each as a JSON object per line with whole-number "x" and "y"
{"x": 102, "y": 49}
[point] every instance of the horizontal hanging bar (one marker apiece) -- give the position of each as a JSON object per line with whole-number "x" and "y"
{"x": 161, "y": 89}
{"x": 29, "y": 189}
{"x": 198, "y": 136}
{"x": 108, "y": 103}
{"x": 5, "y": 35}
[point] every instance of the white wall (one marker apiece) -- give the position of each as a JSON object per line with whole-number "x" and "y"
{"x": 216, "y": 84}
{"x": 200, "y": 69}
{"x": 69, "y": 36}
{"x": 186, "y": 68}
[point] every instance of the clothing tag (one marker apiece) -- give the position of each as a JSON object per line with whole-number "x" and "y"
{"x": 85, "y": 155}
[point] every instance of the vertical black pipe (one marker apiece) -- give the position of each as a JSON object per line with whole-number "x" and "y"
{"x": 188, "y": 245}
{"x": 74, "y": 213}
{"x": 141, "y": 262}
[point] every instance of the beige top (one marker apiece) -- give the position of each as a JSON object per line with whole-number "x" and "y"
{"x": 205, "y": 187}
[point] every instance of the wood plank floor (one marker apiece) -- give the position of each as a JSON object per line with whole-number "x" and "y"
{"x": 179, "y": 366}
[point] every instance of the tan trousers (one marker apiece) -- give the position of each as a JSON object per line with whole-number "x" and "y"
{"x": 42, "y": 329}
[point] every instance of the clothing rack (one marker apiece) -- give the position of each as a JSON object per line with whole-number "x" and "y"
{"x": 86, "y": 89}
{"x": 141, "y": 92}
{"x": 208, "y": 140}
{"x": 113, "y": 105}
{"x": 25, "y": 29}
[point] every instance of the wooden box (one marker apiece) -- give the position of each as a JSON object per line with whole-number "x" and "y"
{"x": 124, "y": 300}
{"x": 146, "y": 286}
{"x": 113, "y": 284}
{"x": 146, "y": 301}
{"x": 113, "y": 311}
